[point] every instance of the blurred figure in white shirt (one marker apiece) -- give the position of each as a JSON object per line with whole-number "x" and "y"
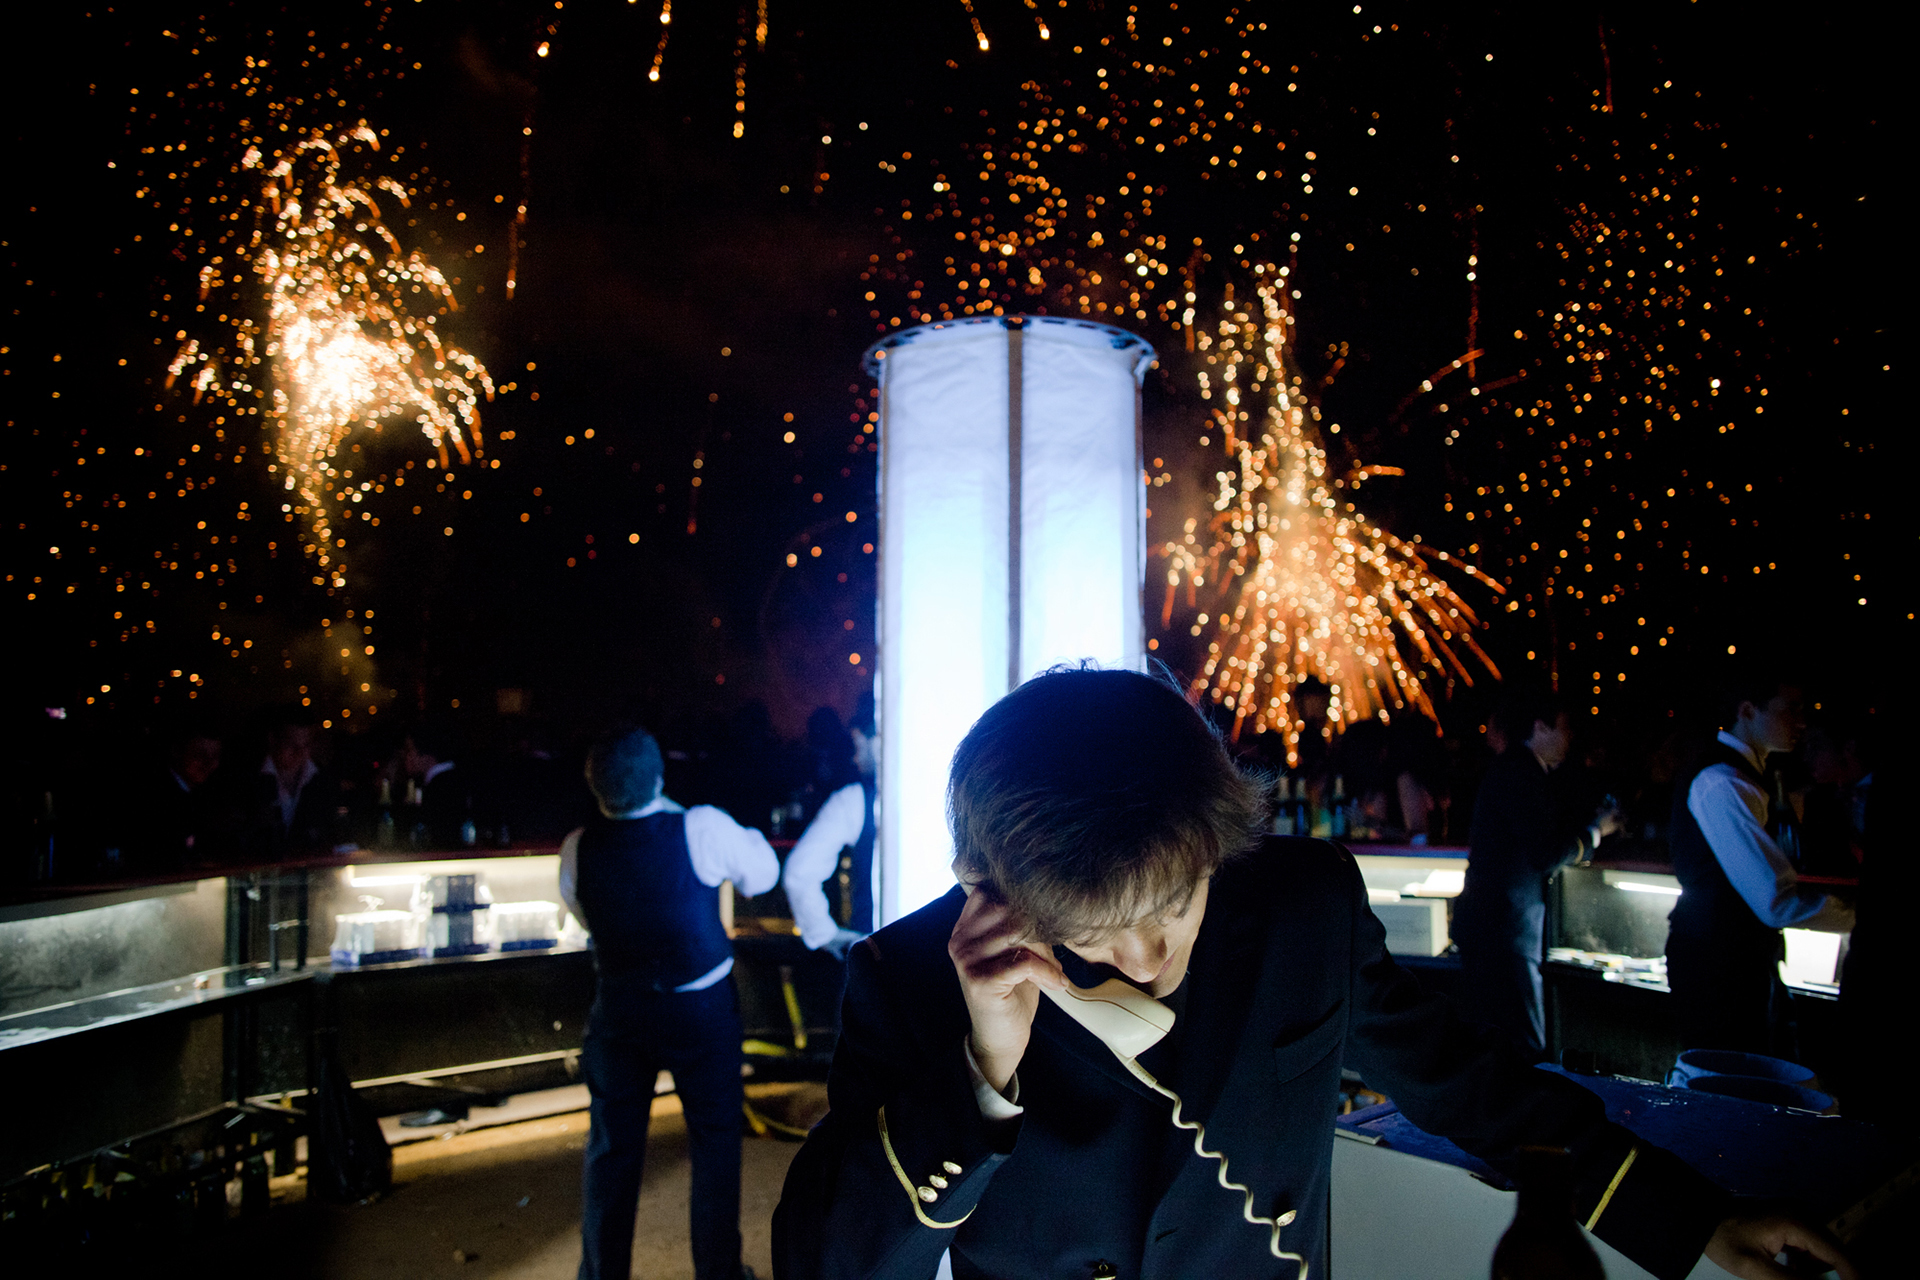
{"x": 829, "y": 873}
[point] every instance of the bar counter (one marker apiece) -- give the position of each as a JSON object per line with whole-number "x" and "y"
{"x": 133, "y": 1009}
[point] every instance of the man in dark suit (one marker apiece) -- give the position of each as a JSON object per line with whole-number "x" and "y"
{"x": 1524, "y": 830}
{"x": 180, "y": 823}
{"x": 444, "y": 816}
{"x": 299, "y": 800}
{"x": 1101, "y": 830}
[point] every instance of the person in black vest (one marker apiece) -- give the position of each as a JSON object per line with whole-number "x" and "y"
{"x": 837, "y": 849}
{"x": 1737, "y": 890}
{"x": 1524, "y": 830}
{"x": 645, "y": 879}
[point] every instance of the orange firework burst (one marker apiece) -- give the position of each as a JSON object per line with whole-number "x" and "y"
{"x": 1305, "y": 583}
{"x": 345, "y": 346}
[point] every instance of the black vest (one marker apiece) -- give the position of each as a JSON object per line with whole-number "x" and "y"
{"x": 655, "y": 925}
{"x": 857, "y": 865}
{"x": 1711, "y": 913}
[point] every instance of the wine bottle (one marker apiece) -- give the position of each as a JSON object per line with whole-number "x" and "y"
{"x": 1544, "y": 1242}
{"x": 385, "y": 834}
{"x": 1283, "y": 807}
{"x": 1337, "y": 817}
{"x": 1786, "y": 828}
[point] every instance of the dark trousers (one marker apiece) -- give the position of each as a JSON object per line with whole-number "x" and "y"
{"x": 1503, "y": 988}
{"x": 629, "y": 1040}
{"x": 1500, "y": 976}
{"x": 1723, "y": 999}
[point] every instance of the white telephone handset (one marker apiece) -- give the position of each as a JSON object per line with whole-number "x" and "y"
{"x": 1129, "y": 1021}
{"x": 1124, "y": 1018}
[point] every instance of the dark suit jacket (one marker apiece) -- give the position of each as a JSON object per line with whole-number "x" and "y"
{"x": 1523, "y": 830}
{"x": 445, "y": 807}
{"x": 316, "y": 821}
{"x": 1290, "y": 979}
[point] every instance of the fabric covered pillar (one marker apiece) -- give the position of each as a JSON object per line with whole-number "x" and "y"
{"x": 1012, "y": 537}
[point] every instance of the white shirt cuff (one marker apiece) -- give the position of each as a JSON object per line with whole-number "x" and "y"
{"x": 993, "y": 1104}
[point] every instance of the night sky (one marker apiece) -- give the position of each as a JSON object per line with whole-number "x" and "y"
{"x": 686, "y": 298}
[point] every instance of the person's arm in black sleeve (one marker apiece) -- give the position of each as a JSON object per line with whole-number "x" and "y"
{"x": 904, "y": 1154}
{"x": 1456, "y": 1080}
{"x": 1559, "y": 835}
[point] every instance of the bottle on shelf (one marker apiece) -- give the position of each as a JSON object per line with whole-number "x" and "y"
{"x": 386, "y": 835}
{"x": 1283, "y": 807}
{"x": 1544, "y": 1242}
{"x": 1786, "y": 828}
{"x": 469, "y": 832}
{"x": 1337, "y": 818}
{"x": 417, "y": 835}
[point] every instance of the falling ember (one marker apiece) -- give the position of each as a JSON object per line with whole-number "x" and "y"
{"x": 1306, "y": 584}
{"x": 740, "y": 76}
{"x": 979, "y": 32}
{"x": 666, "y": 29}
{"x": 1040, "y": 21}
{"x": 346, "y": 349}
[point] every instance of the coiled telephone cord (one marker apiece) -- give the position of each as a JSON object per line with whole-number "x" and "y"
{"x": 1199, "y": 1131}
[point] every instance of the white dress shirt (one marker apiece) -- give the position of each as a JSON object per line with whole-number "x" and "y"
{"x": 1732, "y": 813}
{"x": 719, "y": 848}
{"x": 287, "y": 798}
{"x": 993, "y": 1104}
{"x": 814, "y": 857}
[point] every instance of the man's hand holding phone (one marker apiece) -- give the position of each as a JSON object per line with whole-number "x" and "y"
{"x": 1001, "y": 971}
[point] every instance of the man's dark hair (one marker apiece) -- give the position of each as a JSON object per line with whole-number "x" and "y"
{"x": 827, "y": 738}
{"x": 180, "y": 731}
{"x": 862, "y": 721}
{"x": 1092, "y": 799}
{"x": 1311, "y": 687}
{"x": 623, "y": 769}
{"x": 285, "y": 719}
{"x": 434, "y": 738}
{"x": 1519, "y": 710}
{"x": 1758, "y": 680}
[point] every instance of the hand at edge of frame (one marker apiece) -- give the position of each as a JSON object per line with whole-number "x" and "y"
{"x": 1746, "y": 1245}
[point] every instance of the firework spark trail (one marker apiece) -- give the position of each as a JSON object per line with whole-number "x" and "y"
{"x": 1039, "y": 20}
{"x": 660, "y": 50}
{"x": 346, "y": 348}
{"x": 979, "y": 32}
{"x": 1307, "y": 585}
{"x": 740, "y": 75}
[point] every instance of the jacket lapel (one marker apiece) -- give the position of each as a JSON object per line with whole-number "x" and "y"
{"x": 1220, "y": 981}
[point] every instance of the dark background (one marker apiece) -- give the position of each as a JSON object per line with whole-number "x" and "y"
{"x": 680, "y": 291}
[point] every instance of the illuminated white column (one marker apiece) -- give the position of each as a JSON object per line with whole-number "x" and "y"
{"x": 1012, "y": 537}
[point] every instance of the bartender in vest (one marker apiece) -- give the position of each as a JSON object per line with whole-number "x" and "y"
{"x": 1737, "y": 889}
{"x": 829, "y": 873}
{"x": 645, "y": 878}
